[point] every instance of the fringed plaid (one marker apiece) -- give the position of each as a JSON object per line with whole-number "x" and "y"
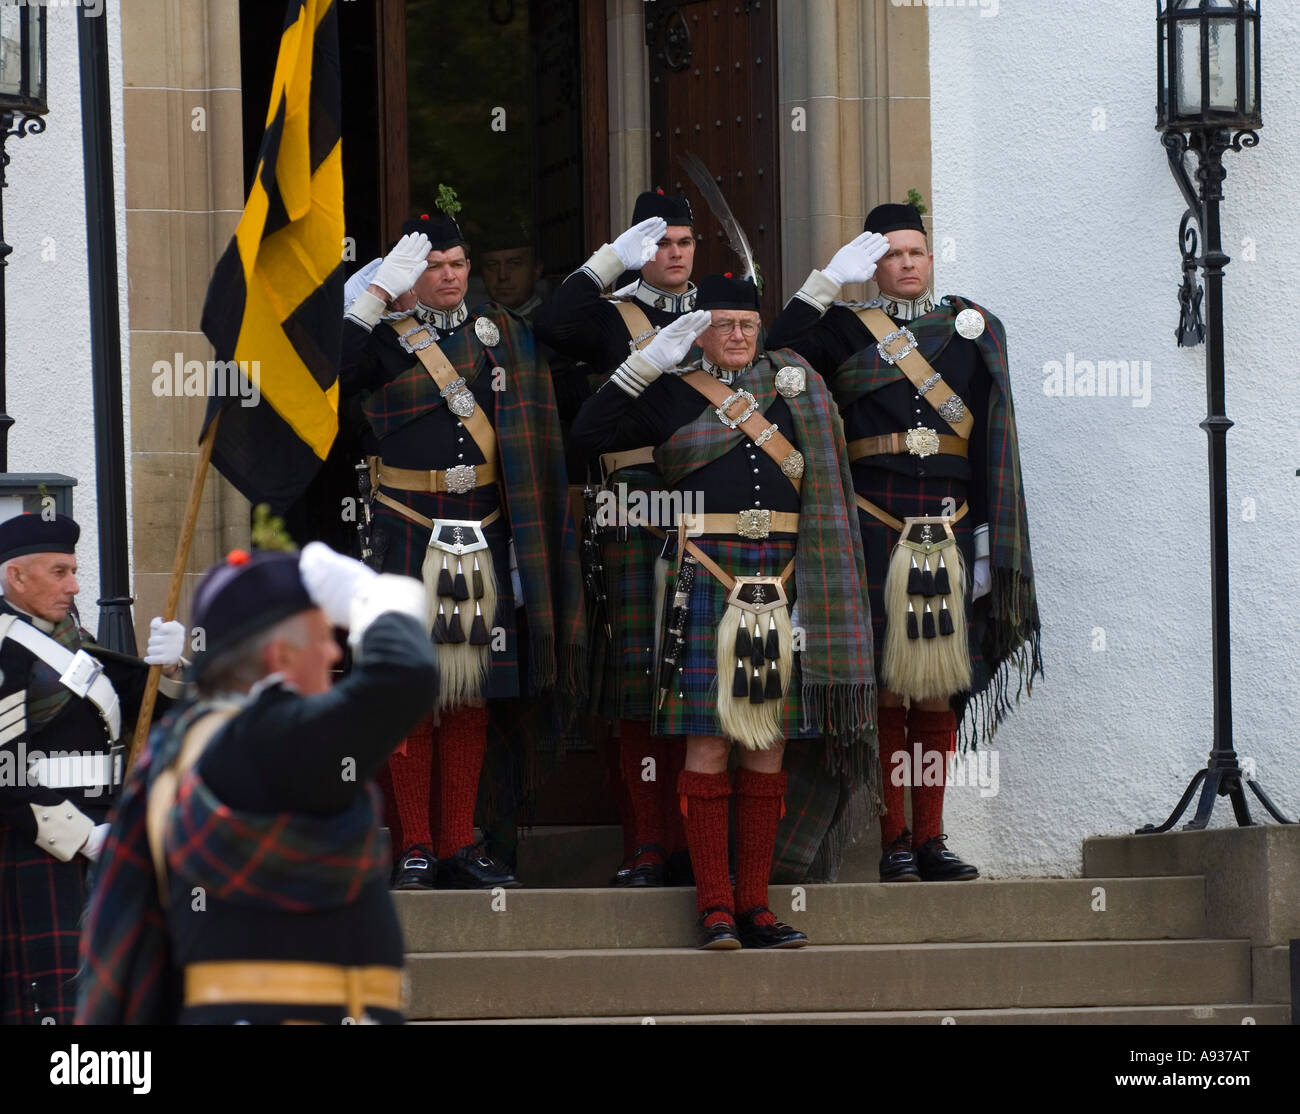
{"x": 1005, "y": 625}
{"x": 46, "y": 696}
{"x": 837, "y": 675}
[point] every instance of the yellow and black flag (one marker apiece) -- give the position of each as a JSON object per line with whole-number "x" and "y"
{"x": 273, "y": 307}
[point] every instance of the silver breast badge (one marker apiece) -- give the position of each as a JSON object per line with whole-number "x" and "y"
{"x": 970, "y": 323}
{"x": 790, "y": 381}
{"x": 486, "y": 330}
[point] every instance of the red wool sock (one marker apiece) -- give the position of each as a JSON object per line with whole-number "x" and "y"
{"x": 674, "y": 833}
{"x": 462, "y": 739}
{"x": 935, "y": 731}
{"x": 705, "y": 804}
{"x": 760, "y": 800}
{"x": 636, "y": 744}
{"x": 409, "y": 776}
{"x": 893, "y": 741}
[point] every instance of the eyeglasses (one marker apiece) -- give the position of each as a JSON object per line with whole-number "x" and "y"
{"x": 725, "y": 328}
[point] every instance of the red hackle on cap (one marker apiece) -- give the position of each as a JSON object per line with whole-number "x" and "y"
{"x": 237, "y": 557}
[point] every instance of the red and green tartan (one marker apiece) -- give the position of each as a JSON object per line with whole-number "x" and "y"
{"x": 531, "y": 464}
{"x": 1005, "y": 628}
{"x": 41, "y": 904}
{"x": 285, "y": 862}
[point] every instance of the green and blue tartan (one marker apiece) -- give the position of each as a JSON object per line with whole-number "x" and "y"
{"x": 691, "y": 708}
{"x": 624, "y": 674}
{"x": 1005, "y": 628}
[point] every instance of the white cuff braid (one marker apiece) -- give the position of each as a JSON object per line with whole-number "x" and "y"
{"x": 635, "y": 374}
{"x": 981, "y": 539}
{"x": 604, "y": 266}
{"x": 367, "y": 309}
{"x": 380, "y": 595}
{"x": 818, "y": 290}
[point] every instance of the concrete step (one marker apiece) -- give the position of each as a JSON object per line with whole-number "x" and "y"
{"x": 874, "y": 913}
{"x": 649, "y": 982}
{"x": 1099, "y": 1015}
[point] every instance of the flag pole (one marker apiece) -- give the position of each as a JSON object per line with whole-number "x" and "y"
{"x": 179, "y": 563}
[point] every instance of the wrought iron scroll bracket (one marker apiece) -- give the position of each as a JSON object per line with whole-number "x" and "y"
{"x": 15, "y": 124}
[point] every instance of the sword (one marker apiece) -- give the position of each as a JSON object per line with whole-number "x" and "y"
{"x": 363, "y": 519}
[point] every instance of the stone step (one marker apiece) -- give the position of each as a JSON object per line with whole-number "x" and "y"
{"x": 874, "y": 913}
{"x": 854, "y": 977}
{"x": 1097, "y": 1015}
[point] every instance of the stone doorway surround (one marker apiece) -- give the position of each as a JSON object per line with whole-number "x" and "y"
{"x": 861, "y": 74}
{"x": 184, "y": 192}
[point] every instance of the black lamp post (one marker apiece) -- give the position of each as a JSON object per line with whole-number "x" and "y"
{"x": 22, "y": 108}
{"x": 1207, "y": 56}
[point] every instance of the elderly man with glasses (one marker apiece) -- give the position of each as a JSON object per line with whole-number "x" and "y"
{"x": 751, "y": 449}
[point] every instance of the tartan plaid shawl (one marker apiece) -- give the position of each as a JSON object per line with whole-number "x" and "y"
{"x": 1005, "y": 628}
{"x": 838, "y": 678}
{"x": 279, "y": 861}
{"x": 46, "y": 696}
{"x": 535, "y": 483}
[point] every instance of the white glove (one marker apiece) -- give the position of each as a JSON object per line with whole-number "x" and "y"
{"x": 94, "y": 845}
{"x": 674, "y": 340}
{"x": 166, "y": 642}
{"x": 332, "y": 580}
{"x": 981, "y": 578}
{"x": 856, "y": 260}
{"x": 403, "y": 265}
{"x": 639, "y": 244}
{"x": 356, "y": 285}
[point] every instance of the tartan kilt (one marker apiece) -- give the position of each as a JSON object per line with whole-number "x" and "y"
{"x": 624, "y": 673}
{"x": 691, "y": 709}
{"x": 404, "y": 544}
{"x": 41, "y": 905}
{"x": 903, "y": 497}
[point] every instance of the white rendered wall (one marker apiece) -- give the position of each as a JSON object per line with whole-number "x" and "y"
{"x": 48, "y": 380}
{"x": 1054, "y": 206}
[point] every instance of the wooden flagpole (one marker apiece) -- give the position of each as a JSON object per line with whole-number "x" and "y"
{"x": 179, "y": 563}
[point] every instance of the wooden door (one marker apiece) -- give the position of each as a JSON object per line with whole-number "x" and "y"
{"x": 713, "y": 92}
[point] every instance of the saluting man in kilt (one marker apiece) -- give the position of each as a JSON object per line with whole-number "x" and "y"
{"x": 245, "y": 879}
{"x": 753, "y": 450}
{"x": 468, "y": 471}
{"x": 61, "y": 759}
{"x": 585, "y": 323}
{"x": 925, "y": 393}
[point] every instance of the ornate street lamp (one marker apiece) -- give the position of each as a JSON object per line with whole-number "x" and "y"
{"x": 22, "y": 111}
{"x": 1207, "y": 57}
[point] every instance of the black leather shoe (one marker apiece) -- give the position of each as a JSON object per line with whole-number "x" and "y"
{"x": 720, "y": 937}
{"x": 776, "y": 935}
{"x": 647, "y": 874}
{"x": 417, "y": 869}
{"x": 898, "y": 863}
{"x": 938, "y": 864}
{"x": 471, "y": 869}
{"x": 621, "y": 875}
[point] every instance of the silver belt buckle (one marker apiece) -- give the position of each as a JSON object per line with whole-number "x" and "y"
{"x": 418, "y": 346}
{"x": 461, "y": 478}
{"x": 922, "y": 441}
{"x": 82, "y": 672}
{"x": 754, "y": 524}
{"x": 897, "y": 334}
{"x": 721, "y": 411}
